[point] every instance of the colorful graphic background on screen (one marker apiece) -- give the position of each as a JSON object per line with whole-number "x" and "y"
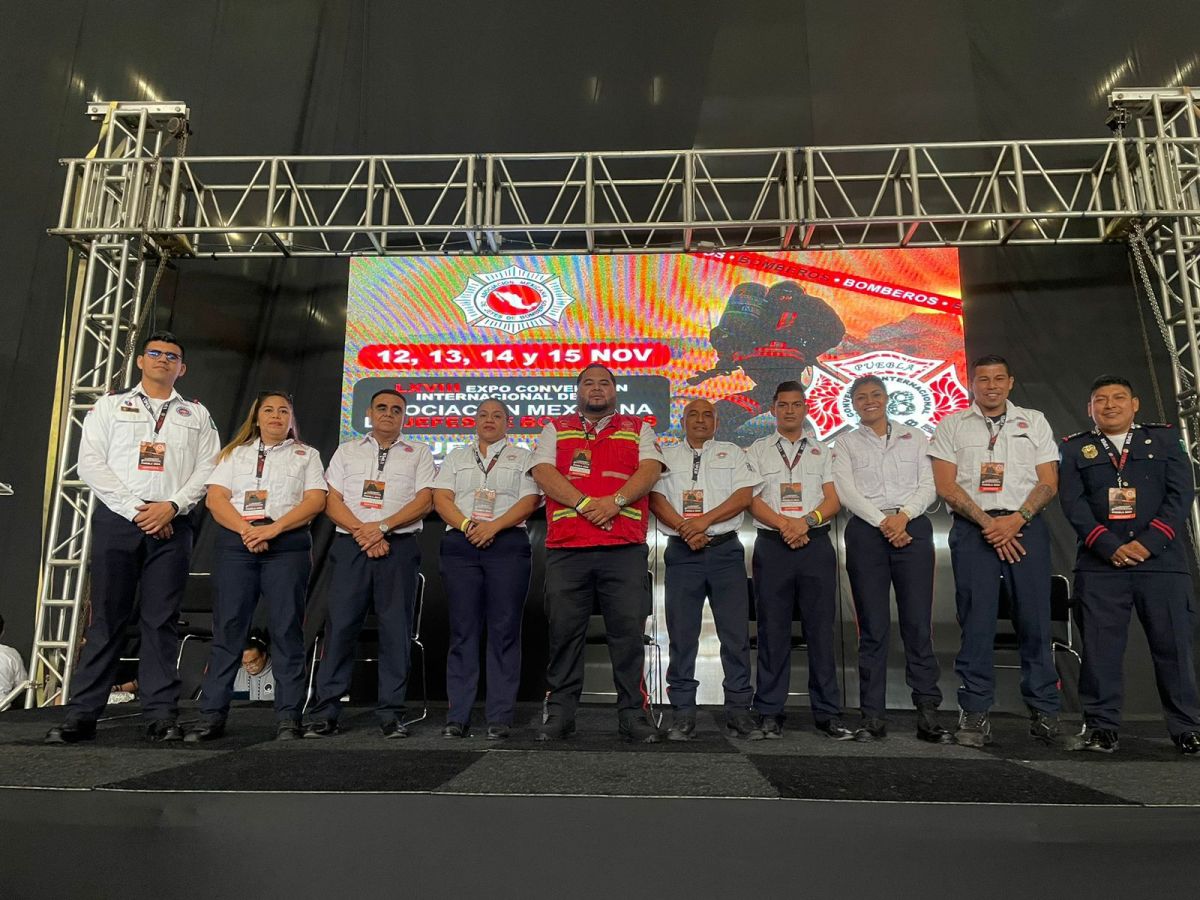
{"x": 449, "y": 332}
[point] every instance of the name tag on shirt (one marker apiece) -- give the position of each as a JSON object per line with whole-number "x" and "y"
{"x": 693, "y": 503}
{"x": 254, "y": 505}
{"x": 372, "y": 494}
{"x": 152, "y": 456}
{"x": 485, "y": 505}
{"x": 1122, "y": 503}
{"x": 581, "y": 464}
{"x": 991, "y": 477}
{"x": 791, "y": 497}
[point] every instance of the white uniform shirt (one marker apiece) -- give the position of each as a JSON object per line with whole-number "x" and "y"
{"x": 12, "y": 670}
{"x": 547, "y": 443}
{"x": 289, "y": 469}
{"x": 509, "y": 476}
{"x": 1024, "y": 443}
{"x": 408, "y": 468}
{"x": 723, "y": 470}
{"x": 813, "y": 470}
{"x": 110, "y": 450}
{"x": 873, "y": 473}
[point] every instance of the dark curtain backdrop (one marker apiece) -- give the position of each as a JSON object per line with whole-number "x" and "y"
{"x": 303, "y": 76}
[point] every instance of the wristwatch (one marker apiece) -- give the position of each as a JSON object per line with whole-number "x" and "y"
{"x": 811, "y": 520}
{"x": 620, "y": 500}
{"x": 383, "y": 527}
{"x": 1025, "y": 514}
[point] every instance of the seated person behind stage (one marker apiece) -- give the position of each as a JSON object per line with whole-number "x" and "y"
{"x": 255, "y": 680}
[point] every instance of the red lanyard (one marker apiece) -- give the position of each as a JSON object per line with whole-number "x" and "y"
{"x": 1112, "y": 456}
{"x": 799, "y": 453}
{"x": 162, "y": 413}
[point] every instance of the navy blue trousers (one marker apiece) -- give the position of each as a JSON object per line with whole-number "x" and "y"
{"x": 124, "y": 563}
{"x": 874, "y": 567}
{"x": 485, "y": 588}
{"x": 387, "y": 584}
{"x": 1166, "y": 605}
{"x": 280, "y": 576}
{"x": 718, "y": 573}
{"x": 783, "y": 579}
{"x": 977, "y": 573}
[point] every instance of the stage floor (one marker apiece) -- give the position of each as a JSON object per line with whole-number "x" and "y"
{"x": 1146, "y": 771}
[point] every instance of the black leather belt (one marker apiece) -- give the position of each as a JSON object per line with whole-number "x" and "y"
{"x": 891, "y": 511}
{"x": 771, "y": 532}
{"x": 265, "y": 520}
{"x": 999, "y": 512}
{"x": 714, "y": 541}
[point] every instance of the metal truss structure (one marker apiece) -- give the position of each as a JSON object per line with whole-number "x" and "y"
{"x": 139, "y": 199}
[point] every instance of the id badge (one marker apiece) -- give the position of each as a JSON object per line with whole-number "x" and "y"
{"x": 791, "y": 497}
{"x": 581, "y": 464}
{"x": 693, "y": 503}
{"x": 485, "y": 505}
{"x": 372, "y": 494}
{"x": 1122, "y": 503}
{"x": 254, "y": 505}
{"x": 991, "y": 477}
{"x": 152, "y": 456}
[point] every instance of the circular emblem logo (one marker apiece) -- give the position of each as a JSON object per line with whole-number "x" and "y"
{"x": 183, "y": 411}
{"x": 513, "y": 300}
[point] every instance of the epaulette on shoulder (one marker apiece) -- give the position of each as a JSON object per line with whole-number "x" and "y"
{"x": 1155, "y": 425}
{"x": 1078, "y": 434}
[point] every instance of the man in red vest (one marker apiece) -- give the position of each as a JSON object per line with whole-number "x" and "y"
{"x": 596, "y": 468}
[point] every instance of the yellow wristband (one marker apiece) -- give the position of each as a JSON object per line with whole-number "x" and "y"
{"x": 582, "y": 504}
{"x": 466, "y": 523}
{"x": 820, "y": 518}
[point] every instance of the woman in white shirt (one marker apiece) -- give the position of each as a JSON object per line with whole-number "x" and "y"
{"x": 265, "y": 490}
{"x": 484, "y": 494}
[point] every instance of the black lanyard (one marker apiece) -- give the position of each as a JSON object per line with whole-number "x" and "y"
{"x": 799, "y": 453}
{"x": 162, "y": 413}
{"x": 1112, "y": 456}
{"x": 994, "y": 436}
{"x": 695, "y": 466}
{"x": 589, "y": 436}
{"x": 383, "y": 456}
{"x": 479, "y": 462}
{"x": 262, "y": 461}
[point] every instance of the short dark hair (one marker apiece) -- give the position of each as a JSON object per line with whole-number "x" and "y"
{"x": 1106, "y": 380}
{"x": 579, "y": 377}
{"x": 503, "y": 405}
{"x": 392, "y": 391}
{"x": 166, "y": 337}
{"x": 990, "y": 359}
{"x": 785, "y": 386}
{"x": 863, "y": 380}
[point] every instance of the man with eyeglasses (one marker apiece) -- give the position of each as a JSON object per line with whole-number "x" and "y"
{"x": 146, "y": 454}
{"x": 380, "y": 489}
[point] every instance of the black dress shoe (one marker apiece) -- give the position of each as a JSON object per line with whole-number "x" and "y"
{"x": 1097, "y": 740}
{"x": 683, "y": 726}
{"x": 164, "y": 731}
{"x": 928, "y": 728}
{"x": 871, "y": 729}
{"x": 498, "y": 732}
{"x": 454, "y": 730}
{"x": 71, "y": 733}
{"x": 771, "y": 728}
{"x": 556, "y": 728}
{"x": 740, "y": 723}
{"x": 639, "y": 730}
{"x": 1188, "y": 742}
{"x": 394, "y": 730}
{"x": 836, "y": 729}
{"x": 205, "y": 731}
{"x": 288, "y": 730}
{"x": 322, "y": 728}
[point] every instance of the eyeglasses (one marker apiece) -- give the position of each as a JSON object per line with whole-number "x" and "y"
{"x": 170, "y": 357}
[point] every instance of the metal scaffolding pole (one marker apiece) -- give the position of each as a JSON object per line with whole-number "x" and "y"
{"x": 108, "y": 289}
{"x": 125, "y": 203}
